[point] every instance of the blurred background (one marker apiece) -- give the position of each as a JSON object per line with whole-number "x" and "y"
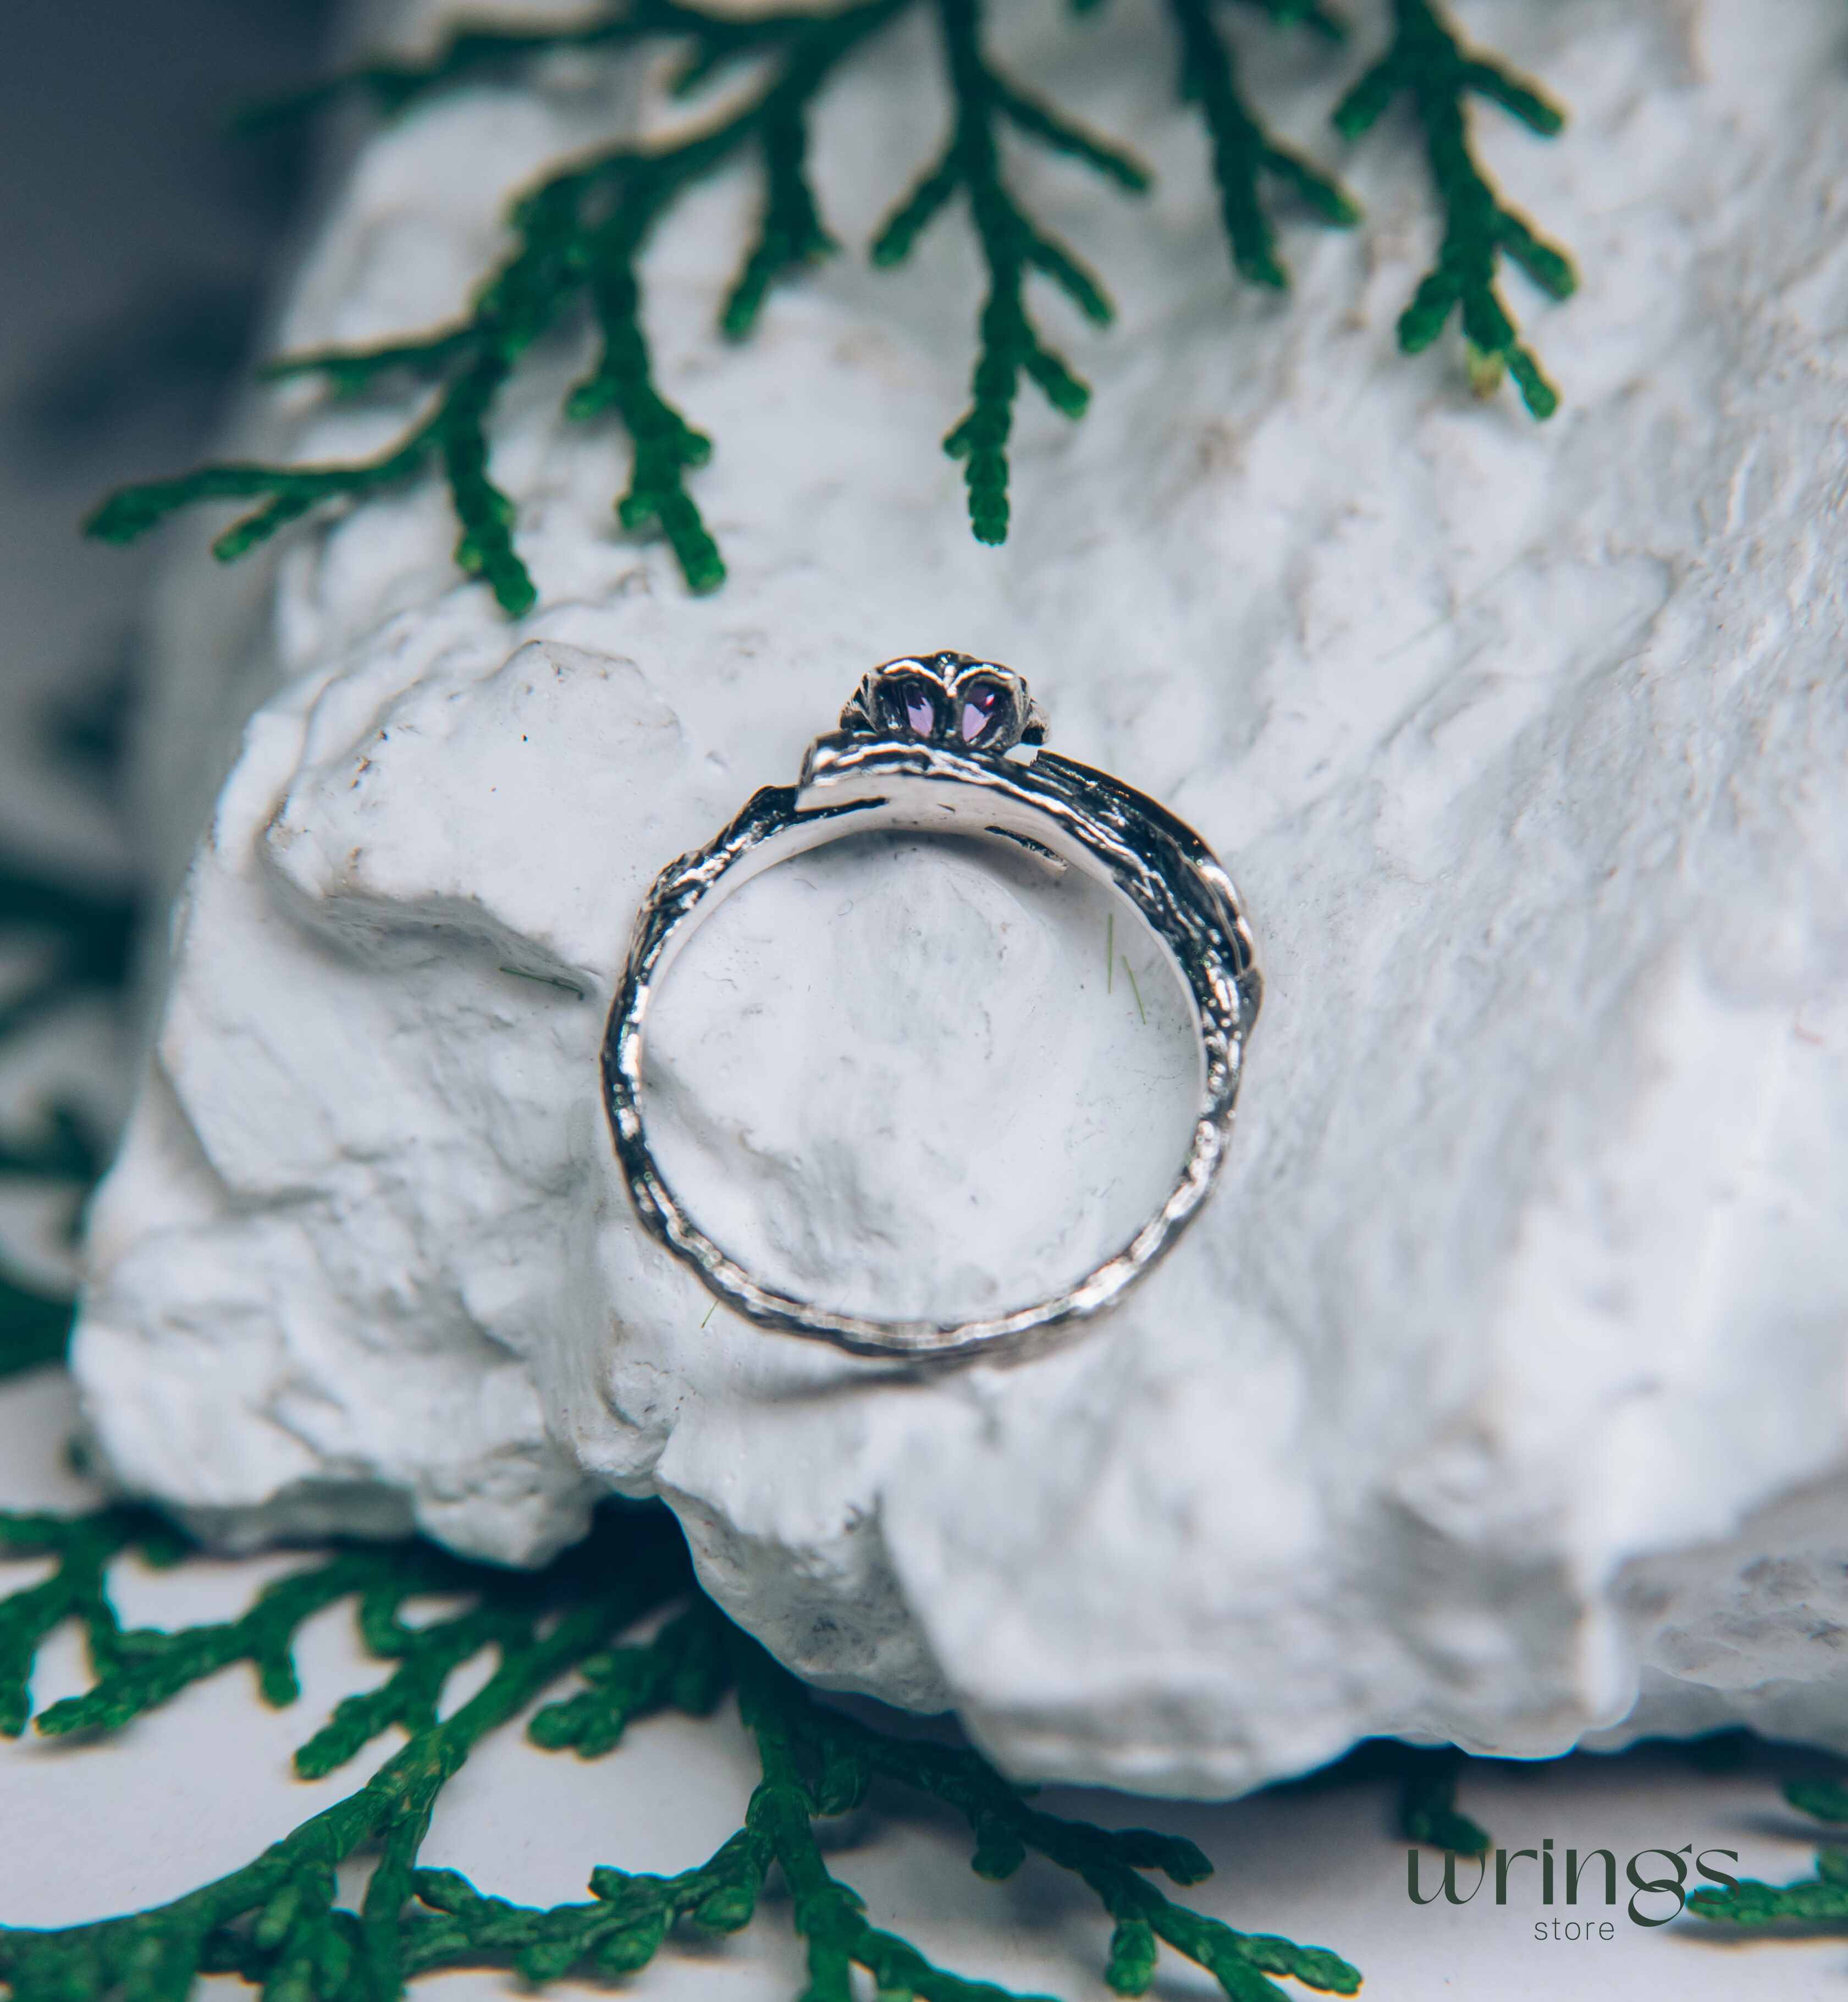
{"x": 139, "y": 238}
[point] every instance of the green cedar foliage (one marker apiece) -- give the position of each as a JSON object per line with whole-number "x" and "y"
{"x": 1427, "y": 1809}
{"x": 1011, "y": 246}
{"x": 1244, "y": 156}
{"x": 1817, "y": 1901}
{"x": 559, "y": 1634}
{"x": 81, "y": 941}
{"x": 1428, "y": 65}
{"x": 580, "y": 234}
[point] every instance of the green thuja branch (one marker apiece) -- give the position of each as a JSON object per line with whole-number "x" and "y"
{"x": 35, "y": 1327}
{"x": 683, "y": 1668}
{"x": 144, "y": 1668}
{"x": 1823, "y": 1800}
{"x": 88, "y": 935}
{"x": 84, "y": 938}
{"x": 76, "y": 1590}
{"x": 830, "y": 1916}
{"x": 841, "y": 1754}
{"x": 1821, "y": 1900}
{"x": 1427, "y": 1809}
{"x": 277, "y": 1921}
{"x": 1244, "y": 153}
{"x": 790, "y": 235}
{"x": 578, "y": 236}
{"x": 63, "y": 1151}
{"x": 1427, "y": 64}
{"x": 1011, "y": 245}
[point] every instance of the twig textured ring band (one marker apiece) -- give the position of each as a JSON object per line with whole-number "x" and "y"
{"x": 946, "y": 743}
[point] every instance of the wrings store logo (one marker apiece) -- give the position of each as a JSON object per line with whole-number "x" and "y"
{"x": 1657, "y": 1878}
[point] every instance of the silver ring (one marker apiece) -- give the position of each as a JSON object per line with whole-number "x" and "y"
{"x": 947, "y": 743}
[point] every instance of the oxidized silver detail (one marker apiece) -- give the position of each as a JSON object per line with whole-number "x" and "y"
{"x": 876, "y": 774}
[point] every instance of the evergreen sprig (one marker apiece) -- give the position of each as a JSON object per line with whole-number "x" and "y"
{"x": 35, "y": 1327}
{"x": 64, "y": 1150}
{"x": 1823, "y": 1800}
{"x": 277, "y": 1921}
{"x": 1427, "y": 64}
{"x": 846, "y": 1754}
{"x": 83, "y": 938}
{"x": 577, "y": 238}
{"x": 579, "y": 234}
{"x": 1011, "y": 246}
{"x": 1244, "y": 153}
{"x": 82, "y": 1547}
{"x": 1820, "y": 1900}
{"x": 1427, "y": 1809}
{"x": 87, "y": 936}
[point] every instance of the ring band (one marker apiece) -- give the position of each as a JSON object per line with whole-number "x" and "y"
{"x": 947, "y": 744}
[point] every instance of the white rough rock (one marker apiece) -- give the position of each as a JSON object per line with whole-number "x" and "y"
{"x": 1499, "y": 1392}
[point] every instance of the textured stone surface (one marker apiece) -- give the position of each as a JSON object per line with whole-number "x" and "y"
{"x": 1502, "y": 1380}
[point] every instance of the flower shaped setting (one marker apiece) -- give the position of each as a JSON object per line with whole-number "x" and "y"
{"x": 948, "y": 699}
